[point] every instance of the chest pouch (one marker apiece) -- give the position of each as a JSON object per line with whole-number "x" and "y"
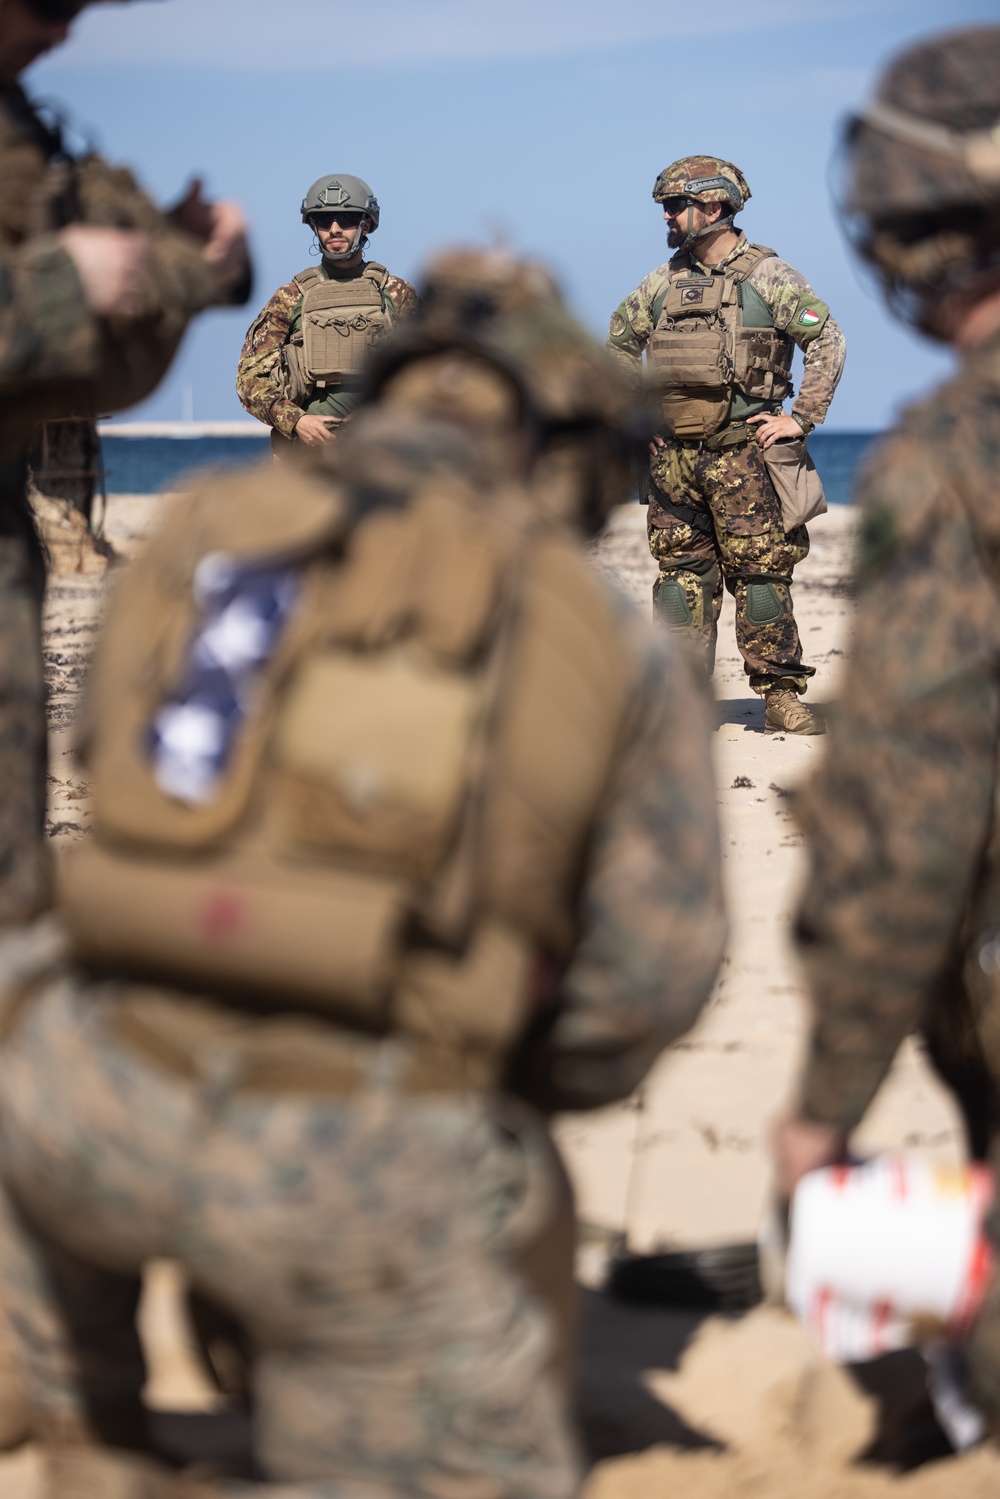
{"x": 690, "y": 355}
{"x": 342, "y": 321}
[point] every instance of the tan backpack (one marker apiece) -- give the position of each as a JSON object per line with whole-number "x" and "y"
{"x": 401, "y": 826}
{"x": 342, "y": 321}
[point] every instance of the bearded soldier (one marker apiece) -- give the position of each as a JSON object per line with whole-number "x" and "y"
{"x": 300, "y": 368}
{"x": 408, "y": 815}
{"x": 900, "y": 924}
{"x": 719, "y": 324}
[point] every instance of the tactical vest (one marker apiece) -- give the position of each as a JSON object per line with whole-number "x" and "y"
{"x": 701, "y": 352}
{"x": 400, "y": 829}
{"x": 341, "y": 322}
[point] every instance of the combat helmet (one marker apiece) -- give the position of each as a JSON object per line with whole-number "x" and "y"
{"x": 703, "y": 179}
{"x": 342, "y": 191}
{"x": 921, "y": 174}
{"x": 510, "y": 312}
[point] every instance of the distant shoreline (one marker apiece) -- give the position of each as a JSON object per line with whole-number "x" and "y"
{"x": 257, "y": 429}
{"x": 183, "y": 429}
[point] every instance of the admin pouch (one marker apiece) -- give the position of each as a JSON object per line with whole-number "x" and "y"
{"x": 700, "y": 350}
{"x": 798, "y": 485}
{"x": 397, "y": 834}
{"x": 341, "y": 323}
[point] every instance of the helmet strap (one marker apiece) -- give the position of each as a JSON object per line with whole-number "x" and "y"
{"x": 355, "y": 245}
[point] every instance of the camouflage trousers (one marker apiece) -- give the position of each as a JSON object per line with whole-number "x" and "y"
{"x": 714, "y": 520}
{"x": 366, "y": 1245}
{"x": 24, "y": 854}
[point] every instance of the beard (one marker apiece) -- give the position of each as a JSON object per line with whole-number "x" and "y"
{"x": 676, "y": 234}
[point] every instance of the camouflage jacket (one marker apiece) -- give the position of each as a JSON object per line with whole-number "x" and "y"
{"x": 56, "y": 358}
{"x": 259, "y": 375}
{"x": 899, "y": 816}
{"x": 787, "y": 294}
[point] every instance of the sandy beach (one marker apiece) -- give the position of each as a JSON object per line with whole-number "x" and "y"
{"x": 683, "y": 1164}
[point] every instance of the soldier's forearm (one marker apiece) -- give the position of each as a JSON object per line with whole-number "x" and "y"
{"x": 47, "y": 331}
{"x": 284, "y": 415}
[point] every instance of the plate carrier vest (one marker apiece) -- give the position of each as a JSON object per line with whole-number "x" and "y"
{"x": 700, "y": 351}
{"x": 399, "y": 832}
{"x": 341, "y": 323}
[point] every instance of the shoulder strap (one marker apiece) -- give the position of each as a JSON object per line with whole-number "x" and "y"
{"x": 309, "y": 277}
{"x": 377, "y": 273}
{"x": 750, "y": 260}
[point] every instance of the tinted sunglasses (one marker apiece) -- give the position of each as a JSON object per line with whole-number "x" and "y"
{"x": 345, "y": 217}
{"x": 676, "y": 205}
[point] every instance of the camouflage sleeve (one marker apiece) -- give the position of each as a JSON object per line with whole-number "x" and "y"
{"x": 259, "y": 381}
{"x": 800, "y": 313}
{"x": 632, "y": 324}
{"x": 896, "y": 817}
{"x": 47, "y": 332}
{"x": 652, "y": 914}
{"x": 402, "y": 299}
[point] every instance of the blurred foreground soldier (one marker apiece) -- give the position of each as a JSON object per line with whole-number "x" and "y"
{"x": 405, "y": 824}
{"x": 900, "y": 925}
{"x": 719, "y": 324}
{"x": 96, "y": 290}
{"x": 300, "y": 368}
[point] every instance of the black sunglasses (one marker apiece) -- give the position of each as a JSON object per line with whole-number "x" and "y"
{"x": 346, "y": 218}
{"x": 676, "y": 205}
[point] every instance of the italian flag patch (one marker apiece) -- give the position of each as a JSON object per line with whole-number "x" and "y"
{"x": 810, "y": 319}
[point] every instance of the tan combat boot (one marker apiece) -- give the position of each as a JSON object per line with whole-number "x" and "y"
{"x": 90, "y": 1472}
{"x": 786, "y": 713}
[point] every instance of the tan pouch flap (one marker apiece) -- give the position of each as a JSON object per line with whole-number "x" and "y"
{"x": 475, "y": 1003}
{"x": 324, "y": 939}
{"x": 371, "y": 752}
{"x": 798, "y": 485}
{"x": 689, "y": 357}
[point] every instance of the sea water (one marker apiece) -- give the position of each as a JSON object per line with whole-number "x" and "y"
{"x": 147, "y": 465}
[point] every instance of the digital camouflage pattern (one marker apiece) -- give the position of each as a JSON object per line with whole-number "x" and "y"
{"x": 787, "y": 294}
{"x": 368, "y": 1244}
{"x": 714, "y": 517}
{"x": 376, "y": 1242}
{"x": 102, "y": 366}
{"x": 57, "y": 359}
{"x": 951, "y": 81}
{"x": 260, "y": 383}
{"x": 899, "y": 928}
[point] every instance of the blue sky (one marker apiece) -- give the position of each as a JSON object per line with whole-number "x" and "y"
{"x": 539, "y": 122}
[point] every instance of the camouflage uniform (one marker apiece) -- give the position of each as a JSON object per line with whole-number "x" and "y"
{"x": 899, "y": 924}
{"x": 259, "y": 382}
{"x": 398, "y": 1252}
{"x": 714, "y": 517}
{"x": 898, "y": 929}
{"x": 57, "y": 359}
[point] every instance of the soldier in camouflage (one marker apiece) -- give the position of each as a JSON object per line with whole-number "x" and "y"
{"x": 714, "y": 516}
{"x": 303, "y": 401}
{"x": 96, "y": 289}
{"x": 899, "y": 925}
{"x": 397, "y": 1244}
